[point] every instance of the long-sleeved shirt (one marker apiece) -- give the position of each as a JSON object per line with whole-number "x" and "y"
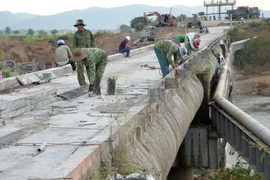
{"x": 169, "y": 49}
{"x": 123, "y": 44}
{"x": 182, "y": 39}
{"x": 62, "y": 54}
{"x": 96, "y": 56}
{"x": 196, "y": 43}
{"x": 83, "y": 40}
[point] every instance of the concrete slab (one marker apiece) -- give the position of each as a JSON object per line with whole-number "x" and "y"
{"x": 7, "y": 83}
{"x": 27, "y": 79}
{"x": 40, "y": 74}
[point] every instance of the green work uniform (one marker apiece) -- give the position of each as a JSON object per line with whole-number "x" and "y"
{"x": 83, "y": 40}
{"x": 97, "y": 60}
{"x": 183, "y": 39}
{"x": 169, "y": 49}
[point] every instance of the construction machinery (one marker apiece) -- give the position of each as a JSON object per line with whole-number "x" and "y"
{"x": 147, "y": 34}
{"x": 163, "y": 19}
{"x": 255, "y": 12}
{"x": 194, "y": 21}
{"x": 240, "y": 12}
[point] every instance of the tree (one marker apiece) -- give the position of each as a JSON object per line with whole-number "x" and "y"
{"x": 125, "y": 29}
{"x": 30, "y": 32}
{"x": 8, "y": 30}
{"x": 16, "y": 32}
{"x": 1, "y": 31}
{"x": 138, "y": 23}
{"x": 54, "y": 32}
{"x": 182, "y": 17}
{"x": 42, "y": 33}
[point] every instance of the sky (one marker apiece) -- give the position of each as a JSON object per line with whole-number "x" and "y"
{"x": 49, "y": 7}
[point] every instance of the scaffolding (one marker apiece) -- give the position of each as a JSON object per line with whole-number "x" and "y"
{"x": 218, "y": 4}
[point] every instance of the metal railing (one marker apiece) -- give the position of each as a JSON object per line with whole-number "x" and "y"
{"x": 246, "y": 135}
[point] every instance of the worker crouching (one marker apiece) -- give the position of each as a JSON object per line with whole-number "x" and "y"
{"x": 96, "y": 62}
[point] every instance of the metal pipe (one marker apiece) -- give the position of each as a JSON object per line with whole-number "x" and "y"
{"x": 41, "y": 148}
{"x": 247, "y": 121}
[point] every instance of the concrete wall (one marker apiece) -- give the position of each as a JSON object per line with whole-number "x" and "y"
{"x": 154, "y": 135}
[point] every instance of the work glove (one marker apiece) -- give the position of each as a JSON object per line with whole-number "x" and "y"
{"x": 91, "y": 87}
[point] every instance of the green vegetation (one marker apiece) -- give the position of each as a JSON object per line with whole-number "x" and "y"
{"x": 239, "y": 171}
{"x": 138, "y": 23}
{"x": 32, "y": 39}
{"x": 121, "y": 164}
{"x": 5, "y": 72}
{"x": 125, "y": 29}
{"x": 1, "y": 54}
{"x": 256, "y": 52}
{"x": 103, "y": 33}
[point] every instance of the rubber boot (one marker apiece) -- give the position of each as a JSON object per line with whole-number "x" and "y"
{"x": 97, "y": 87}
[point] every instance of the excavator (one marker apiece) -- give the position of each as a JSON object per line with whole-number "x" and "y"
{"x": 163, "y": 19}
{"x": 149, "y": 32}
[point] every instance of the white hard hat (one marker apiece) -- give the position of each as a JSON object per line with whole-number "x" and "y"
{"x": 127, "y": 38}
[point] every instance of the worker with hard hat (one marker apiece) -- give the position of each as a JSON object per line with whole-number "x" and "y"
{"x": 96, "y": 60}
{"x": 124, "y": 47}
{"x": 63, "y": 55}
{"x": 164, "y": 50}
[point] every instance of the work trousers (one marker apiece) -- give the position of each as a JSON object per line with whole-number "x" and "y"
{"x": 163, "y": 62}
{"x": 125, "y": 50}
{"x": 80, "y": 71}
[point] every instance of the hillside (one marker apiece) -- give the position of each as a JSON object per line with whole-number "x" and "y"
{"x": 96, "y": 18}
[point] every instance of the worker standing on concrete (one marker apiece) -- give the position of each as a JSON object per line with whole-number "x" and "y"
{"x": 124, "y": 47}
{"x": 96, "y": 60}
{"x": 164, "y": 50}
{"x": 83, "y": 38}
{"x": 191, "y": 37}
{"x": 63, "y": 55}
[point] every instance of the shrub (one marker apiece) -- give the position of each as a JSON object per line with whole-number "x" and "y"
{"x": 33, "y": 39}
{"x": 68, "y": 36}
{"x": 1, "y": 54}
{"x": 101, "y": 33}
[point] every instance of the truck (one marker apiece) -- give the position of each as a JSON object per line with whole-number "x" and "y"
{"x": 255, "y": 12}
{"x": 240, "y": 12}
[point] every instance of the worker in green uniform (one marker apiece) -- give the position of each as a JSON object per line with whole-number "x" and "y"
{"x": 164, "y": 50}
{"x": 182, "y": 40}
{"x": 83, "y": 38}
{"x": 96, "y": 60}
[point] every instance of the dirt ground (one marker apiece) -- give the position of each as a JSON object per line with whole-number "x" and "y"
{"x": 43, "y": 51}
{"x": 257, "y": 83}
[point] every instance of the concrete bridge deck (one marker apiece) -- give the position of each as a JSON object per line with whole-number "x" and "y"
{"x": 74, "y": 129}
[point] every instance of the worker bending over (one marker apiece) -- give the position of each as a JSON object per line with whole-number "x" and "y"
{"x": 164, "y": 50}
{"x": 96, "y": 61}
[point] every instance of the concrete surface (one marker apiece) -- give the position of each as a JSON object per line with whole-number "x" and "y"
{"x": 82, "y": 131}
